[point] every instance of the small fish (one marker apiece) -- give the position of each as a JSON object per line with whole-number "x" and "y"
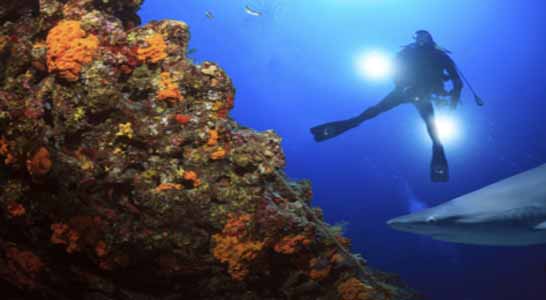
{"x": 252, "y": 12}
{"x": 209, "y": 15}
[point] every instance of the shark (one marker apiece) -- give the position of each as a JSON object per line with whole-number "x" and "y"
{"x": 420, "y": 249}
{"x": 510, "y": 212}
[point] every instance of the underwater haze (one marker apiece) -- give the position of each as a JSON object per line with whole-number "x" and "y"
{"x": 295, "y": 65}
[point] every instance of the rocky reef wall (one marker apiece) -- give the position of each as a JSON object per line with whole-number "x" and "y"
{"x": 122, "y": 175}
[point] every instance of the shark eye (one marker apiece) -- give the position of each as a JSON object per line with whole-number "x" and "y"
{"x": 431, "y": 219}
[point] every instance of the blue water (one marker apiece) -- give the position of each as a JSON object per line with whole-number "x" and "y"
{"x": 294, "y": 68}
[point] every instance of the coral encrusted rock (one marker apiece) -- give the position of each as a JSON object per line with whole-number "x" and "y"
{"x": 122, "y": 175}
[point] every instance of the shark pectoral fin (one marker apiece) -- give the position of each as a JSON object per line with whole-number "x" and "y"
{"x": 541, "y": 226}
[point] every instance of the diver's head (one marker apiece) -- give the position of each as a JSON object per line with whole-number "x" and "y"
{"x": 423, "y": 38}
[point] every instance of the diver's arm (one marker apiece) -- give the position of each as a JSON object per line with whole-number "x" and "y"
{"x": 453, "y": 74}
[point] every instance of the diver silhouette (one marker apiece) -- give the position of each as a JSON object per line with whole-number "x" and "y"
{"x": 423, "y": 68}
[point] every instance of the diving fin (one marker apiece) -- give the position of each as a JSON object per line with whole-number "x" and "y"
{"x": 329, "y": 130}
{"x": 439, "y": 169}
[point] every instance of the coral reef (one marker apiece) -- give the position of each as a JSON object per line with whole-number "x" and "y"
{"x": 153, "y": 51}
{"x": 122, "y": 175}
{"x": 353, "y": 289}
{"x": 69, "y": 48}
{"x": 235, "y": 247}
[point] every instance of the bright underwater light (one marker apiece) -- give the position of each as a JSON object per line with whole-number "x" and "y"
{"x": 375, "y": 65}
{"x": 448, "y": 128}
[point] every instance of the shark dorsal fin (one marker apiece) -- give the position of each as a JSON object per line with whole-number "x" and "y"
{"x": 541, "y": 226}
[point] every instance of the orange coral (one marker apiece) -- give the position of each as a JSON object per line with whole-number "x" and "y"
{"x": 16, "y": 210}
{"x": 168, "y": 89}
{"x": 353, "y": 289}
{"x": 59, "y": 236}
{"x": 337, "y": 259}
{"x": 213, "y": 138}
{"x": 236, "y": 253}
{"x": 4, "y": 151}
{"x": 73, "y": 238}
{"x": 58, "y": 231}
{"x": 100, "y": 249}
{"x": 24, "y": 266}
{"x": 235, "y": 247}
{"x": 192, "y": 176}
{"x": 155, "y": 51}
{"x": 182, "y": 119}
{"x": 69, "y": 47}
{"x": 29, "y": 262}
{"x": 40, "y": 164}
{"x": 236, "y": 226}
{"x": 290, "y": 244}
{"x": 320, "y": 269}
{"x": 319, "y": 274}
{"x": 168, "y": 186}
{"x": 218, "y": 154}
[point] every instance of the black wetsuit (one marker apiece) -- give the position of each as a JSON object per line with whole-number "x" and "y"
{"x": 422, "y": 71}
{"x": 421, "y": 74}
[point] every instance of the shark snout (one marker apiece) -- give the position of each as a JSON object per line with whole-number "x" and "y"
{"x": 405, "y": 219}
{"x": 401, "y": 223}
{"x": 393, "y": 222}
{"x": 416, "y": 223}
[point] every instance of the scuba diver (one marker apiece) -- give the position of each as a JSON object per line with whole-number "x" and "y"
{"x": 423, "y": 68}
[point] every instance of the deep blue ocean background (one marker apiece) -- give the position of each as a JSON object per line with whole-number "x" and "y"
{"x": 294, "y": 68}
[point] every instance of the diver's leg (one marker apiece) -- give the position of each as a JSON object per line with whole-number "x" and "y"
{"x": 391, "y": 101}
{"x": 439, "y": 170}
{"x": 426, "y": 111}
{"x": 332, "y": 129}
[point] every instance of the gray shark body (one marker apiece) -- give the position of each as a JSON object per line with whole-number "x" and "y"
{"x": 510, "y": 212}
